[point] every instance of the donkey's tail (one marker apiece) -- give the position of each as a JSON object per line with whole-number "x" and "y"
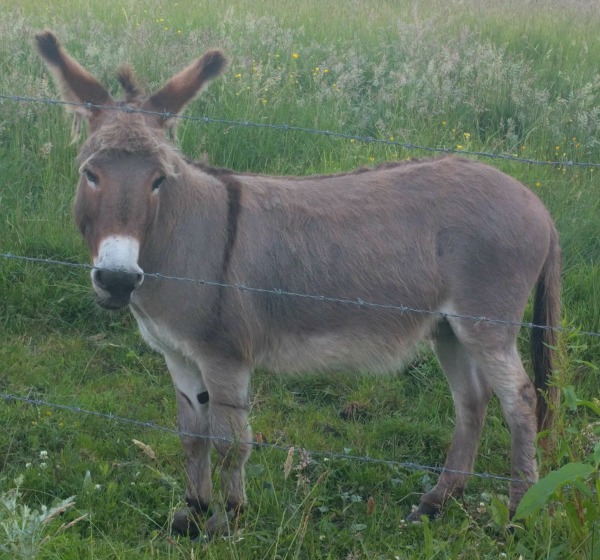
{"x": 546, "y": 314}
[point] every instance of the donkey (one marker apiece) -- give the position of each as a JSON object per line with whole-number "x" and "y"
{"x": 448, "y": 236}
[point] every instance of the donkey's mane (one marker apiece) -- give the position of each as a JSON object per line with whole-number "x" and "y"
{"x": 224, "y": 171}
{"x": 129, "y": 83}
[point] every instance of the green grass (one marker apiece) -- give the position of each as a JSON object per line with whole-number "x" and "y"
{"x": 509, "y": 77}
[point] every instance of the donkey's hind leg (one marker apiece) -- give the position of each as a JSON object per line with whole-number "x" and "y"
{"x": 193, "y": 417}
{"x": 471, "y": 395}
{"x": 493, "y": 347}
{"x": 518, "y": 398}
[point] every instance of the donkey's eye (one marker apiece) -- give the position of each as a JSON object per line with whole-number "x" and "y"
{"x": 158, "y": 182}
{"x": 91, "y": 177}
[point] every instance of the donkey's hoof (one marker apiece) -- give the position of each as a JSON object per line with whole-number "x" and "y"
{"x": 219, "y": 523}
{"x": 185, "y": 523}
{"x": 424, "y": 509}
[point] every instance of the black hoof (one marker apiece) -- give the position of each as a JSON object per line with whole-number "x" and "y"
{"x": 220, "y": 523}
{"x": 428, "y": 510}
{"x": 185, "y": 523}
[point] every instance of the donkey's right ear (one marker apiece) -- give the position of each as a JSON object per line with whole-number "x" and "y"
{"x": 76, "y": 84}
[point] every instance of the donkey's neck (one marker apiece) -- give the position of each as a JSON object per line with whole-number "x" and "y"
{"x": 190, "y": 234}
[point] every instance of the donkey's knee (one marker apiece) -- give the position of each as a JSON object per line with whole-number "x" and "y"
{"x": 194, "y": 424}
{"x": 234, "y": 454}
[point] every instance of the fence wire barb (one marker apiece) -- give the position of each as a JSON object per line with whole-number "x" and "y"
{"x": 409, "y": 465}
{"x": 317, "y": 297}
{"x": 294, "y": 128}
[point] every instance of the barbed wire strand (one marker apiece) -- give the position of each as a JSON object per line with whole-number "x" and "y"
{"x": 322, "y": 298}
{"x": 409, "y": 465}
{"x": 294, "y": 128}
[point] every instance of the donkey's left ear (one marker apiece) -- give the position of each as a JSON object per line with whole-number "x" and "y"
{"x": 76, "y": 84}
{"x": 182, "y": 87}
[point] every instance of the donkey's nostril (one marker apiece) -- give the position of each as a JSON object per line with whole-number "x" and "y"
{"x": 97, "y": 278}
{"x": 116, "y": 280}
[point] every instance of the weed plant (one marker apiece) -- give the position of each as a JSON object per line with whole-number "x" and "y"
{"x": 505, "y": 77}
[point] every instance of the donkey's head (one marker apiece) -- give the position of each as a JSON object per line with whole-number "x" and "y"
{"x": 125, "y": 161}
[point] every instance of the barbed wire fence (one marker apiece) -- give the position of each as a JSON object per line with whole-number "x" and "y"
{"x": 294, "y": 128}
{"x": 360, "y": 302}
{"x": 278, "y": 292}
{"x": 257, "y": 444}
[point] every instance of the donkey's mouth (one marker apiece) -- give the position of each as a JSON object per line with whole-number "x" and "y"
{"x": 113, "y": 302}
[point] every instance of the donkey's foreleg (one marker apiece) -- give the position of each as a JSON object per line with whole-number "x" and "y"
{"x": 228, "y": 391}
{"x": 471, "y": 394}
{"x": 194, "y": 423}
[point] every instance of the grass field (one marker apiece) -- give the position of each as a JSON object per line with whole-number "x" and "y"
{"x": 516, "y": 78}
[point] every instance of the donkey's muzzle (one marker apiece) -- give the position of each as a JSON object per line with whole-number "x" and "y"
{"x": 114, "y": 287}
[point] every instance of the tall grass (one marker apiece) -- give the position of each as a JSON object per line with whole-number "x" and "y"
{"x": 509, "y": 78}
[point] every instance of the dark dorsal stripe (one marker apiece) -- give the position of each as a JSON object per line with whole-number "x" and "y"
{"x": 234, "y": 195}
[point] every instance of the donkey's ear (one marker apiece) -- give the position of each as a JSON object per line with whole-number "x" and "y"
{"x": 182, "y": 87}
{"x": 76, "y": 84}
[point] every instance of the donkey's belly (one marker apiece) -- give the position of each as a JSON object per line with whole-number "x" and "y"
{"x": 358, "y": 348}
{"x": 349, "y": 350}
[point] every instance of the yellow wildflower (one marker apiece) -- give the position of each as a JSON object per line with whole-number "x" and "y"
{"x": 295, "y": 55}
